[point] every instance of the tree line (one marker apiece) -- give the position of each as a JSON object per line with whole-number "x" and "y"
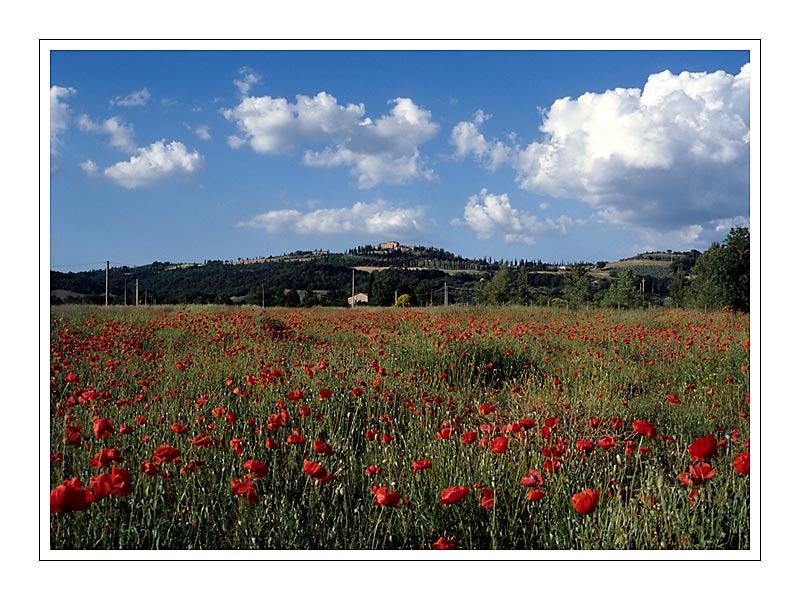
{"x": 717, "y": 278}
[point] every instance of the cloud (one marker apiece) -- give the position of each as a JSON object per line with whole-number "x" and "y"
{"x": 248, "y": 80}
{"x": 665, "y": 158}
{"x": 155, "y": 164}
{"x": 120, "y": 134}
{"x": 59, "y": 115}
{"x": 469, "y": 141}
{"x": 89, "y": 167}
{"x": 376, "y": 218}
{"x": 491, "y": 215}
{"x": 137, "y": 98}
{"x": 202, "y": 131}
{"x": 385, "y": 150}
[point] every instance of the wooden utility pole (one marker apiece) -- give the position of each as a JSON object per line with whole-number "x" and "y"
{"x": 137, "y": 291}
{"x": 353, "y": 296}
{"x": 106, "y": 283}
{"x": 445, "y": 294}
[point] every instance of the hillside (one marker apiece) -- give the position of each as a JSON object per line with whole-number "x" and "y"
{"x": 318, "y": 277}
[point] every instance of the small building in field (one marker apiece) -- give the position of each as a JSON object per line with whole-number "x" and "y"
{"x": 360, "y": 298}
{"x": 389, "y": 246}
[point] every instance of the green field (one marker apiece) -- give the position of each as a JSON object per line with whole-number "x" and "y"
{"x": 471, "y": 428}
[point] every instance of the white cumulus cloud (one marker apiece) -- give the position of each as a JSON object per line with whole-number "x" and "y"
{"x": 120, "y": 134}
{"x": 155, "y": 164}
{"x": 385, "y": 150}
{"x": 59, "y": 115}
{"x": 373, "y": 218}
{"x": 668, "y": 157}
{"x": 249, "y": 78}
{"x": 135, "y": 98}
{"x": 492, "y": 215}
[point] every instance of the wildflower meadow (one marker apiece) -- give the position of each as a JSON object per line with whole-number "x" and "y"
{"x": 464, "y": 428}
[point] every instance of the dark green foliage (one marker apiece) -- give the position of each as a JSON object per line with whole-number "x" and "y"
{"x": 721, "y": 276}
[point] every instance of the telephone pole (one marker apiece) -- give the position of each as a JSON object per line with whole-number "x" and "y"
{"x": 445, "y": 294}
{"x": 137, "y": 291}
{"x": 353, "y": 296}
{"x": 106, "y": 283}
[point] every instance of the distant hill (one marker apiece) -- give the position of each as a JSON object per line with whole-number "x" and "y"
{"x": 321, "y": 277}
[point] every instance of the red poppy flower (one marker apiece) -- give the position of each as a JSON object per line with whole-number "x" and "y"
{"x": 672, "y": 399}
{"x": 178, "y": 428}
{"x": 584, "y": 446}
{"x": 166, "y": 454}
{"x": 271, "y": 444}
{"x": 236, "y": 444}
{"x": 703, "y": 448}
{"x": 741, "y": 462}
{"x": 594, "y": 423}
{"x": 384, "y": 498}
{"x": 499, "y": 445}
{"x": 486, "y": 409}
{"x": 617, "y": 423}
{"x": 258, "y": 468}
{"x": 202, "y": 440}
{"x": 420, "y": 465}
{"x": 325, "y": 393}
{"x": 316, "y": 471}
{"x": 586, "y": 501}
{"x": 102, "y": 428}
{"x": 701, "y": 472}
{"x": 73, "y": 435}
{"x": 444, "y": 544}
{"x": 487, "y": 497}
{"x": 372, "y": 470}
{"x": 469, "y": 437}
{"x": 149, "y": 468}
{"x": 386, "y": 438}
{"x": 295, "y": 438}
{"x": 323, "y": 448}
{"x": 552, "y": 465}
{"x": 100, "y": 487}
{"x": 294, "y": 396}
{"x": 69, "y": 496}
{"x": 606, "y": 442}
{"x": 527, "y": 423}
{"x": 245, "y": 487}
{"x": 532, "y": 478}
{"x": 105, "y": 457}
{"x": 535, "y": 495}
{"x": 644, "y": 428}
{"x": 453, "y": 494}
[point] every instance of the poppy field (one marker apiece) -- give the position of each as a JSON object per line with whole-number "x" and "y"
{"x": 373, "y": 429}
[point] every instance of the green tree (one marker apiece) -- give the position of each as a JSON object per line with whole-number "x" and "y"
{"x": 291, "y": 298}
{"x": 578, "y": 285}
{"x": 678, "y": 287}
{"x": 624, "y": 293}
{"x": 521, "y": 287}
{"x": 500, "y": 289}
{"x": 721, "y": 276}
{"x": 736, "y": 269}
{"x": 705, "y": 290}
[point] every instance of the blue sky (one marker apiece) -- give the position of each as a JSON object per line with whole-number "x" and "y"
{"x": 186, "y": 156}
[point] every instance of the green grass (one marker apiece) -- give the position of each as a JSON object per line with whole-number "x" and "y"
{"x": 416, "y": 369}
